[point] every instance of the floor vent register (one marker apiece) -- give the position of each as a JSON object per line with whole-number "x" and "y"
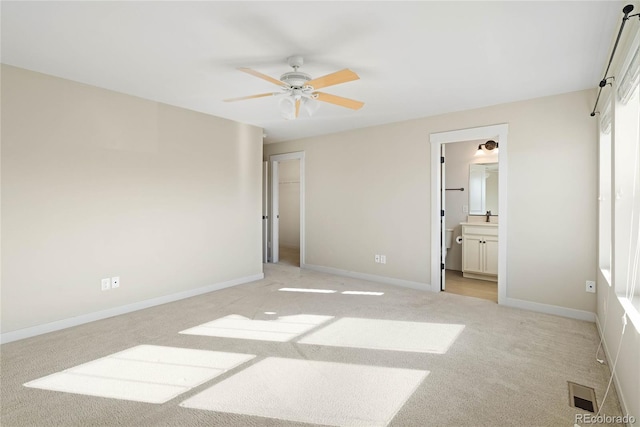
{"x": 582, "y": 397}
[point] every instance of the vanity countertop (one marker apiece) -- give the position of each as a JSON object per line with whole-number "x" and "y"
{"x": 481, "y": 224}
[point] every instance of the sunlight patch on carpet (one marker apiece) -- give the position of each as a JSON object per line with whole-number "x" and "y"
{"x": 395, "y": 335}
{"x": 146, "y": 373}
{"x": 362, "y": 293}
{"x": 282, "y": 329}
{"x": 313, "y": 291}
{"x": 326, "y": 393}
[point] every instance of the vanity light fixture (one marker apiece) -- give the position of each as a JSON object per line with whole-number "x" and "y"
{"x": 488, "y": 146}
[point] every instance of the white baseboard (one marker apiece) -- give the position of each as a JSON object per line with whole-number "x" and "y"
{"x": 116, "y": 311}
{"x": 550, "y": 309}
{"x": 621, "y": 399}
{"x": 509, "y": 302}
{"x": 369, "y": 277}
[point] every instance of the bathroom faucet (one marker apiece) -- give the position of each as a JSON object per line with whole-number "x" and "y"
{"x": 488, "y": 215}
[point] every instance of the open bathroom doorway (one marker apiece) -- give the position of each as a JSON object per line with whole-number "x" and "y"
{"x": 469, "y": 202}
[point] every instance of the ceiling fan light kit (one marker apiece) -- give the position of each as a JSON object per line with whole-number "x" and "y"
{"x": 298, "y": 89}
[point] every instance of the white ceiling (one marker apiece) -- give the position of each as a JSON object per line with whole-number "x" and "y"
{"x": 415, "y": 59}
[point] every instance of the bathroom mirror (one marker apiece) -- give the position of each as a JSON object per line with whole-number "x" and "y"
{"x": 483, "y": 188}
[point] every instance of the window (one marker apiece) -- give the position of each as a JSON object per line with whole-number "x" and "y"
{"x": 626, "y": 182}
{"x": 605, "y": 206}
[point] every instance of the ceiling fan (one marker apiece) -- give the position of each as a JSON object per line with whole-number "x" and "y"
{"x": 298, "y": 89}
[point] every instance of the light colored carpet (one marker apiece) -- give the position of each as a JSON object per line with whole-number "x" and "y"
{"x": 508, "y": 367}
{"x": 152, "y": 374}
{"x": 326, "y": 393}
{"x": 282, "y": 329}
{"x": 393, "y": 335}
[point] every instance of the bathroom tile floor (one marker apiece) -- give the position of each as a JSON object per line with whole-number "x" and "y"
{"x": 456, "y": 284}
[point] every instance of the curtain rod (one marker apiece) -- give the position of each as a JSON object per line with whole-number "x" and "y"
{"x": 626, "y": 10}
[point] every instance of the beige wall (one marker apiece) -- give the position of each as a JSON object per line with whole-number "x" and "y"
{"x": 368, "y": 191}
{"x": 98, "y": 184}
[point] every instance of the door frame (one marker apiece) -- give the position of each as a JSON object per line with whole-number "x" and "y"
{"x": 265, "y": 212}
{"x": 443, "y": 220}
{"x": 499, "y": 132}
{"x": 274, "y": 233}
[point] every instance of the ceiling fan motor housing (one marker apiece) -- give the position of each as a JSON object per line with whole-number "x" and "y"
{"x": 295, "y": 79}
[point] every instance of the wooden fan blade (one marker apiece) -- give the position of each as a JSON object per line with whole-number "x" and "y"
{"x": 261, "y": 95}
{"x": 262, "y": 76}
{"x": 338, "y": 100}
{"x": 338, "y": 77}
{"x": 297, "y": 108}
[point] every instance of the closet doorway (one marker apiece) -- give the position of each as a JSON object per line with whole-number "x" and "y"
{"x": 287, "y": 209}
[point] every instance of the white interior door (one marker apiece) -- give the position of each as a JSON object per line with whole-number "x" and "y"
{"x": 275, "y": 215}
{"x": 443, "y": 223}
{"x": 265, "y": 212}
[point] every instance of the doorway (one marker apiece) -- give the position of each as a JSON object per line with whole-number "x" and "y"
{"x": 470, "y": 179}
{"x": 439, "y": 194}
{"x": 286, "y": 245}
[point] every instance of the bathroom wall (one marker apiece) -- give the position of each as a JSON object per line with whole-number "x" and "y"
{"x": 458, "y": 157}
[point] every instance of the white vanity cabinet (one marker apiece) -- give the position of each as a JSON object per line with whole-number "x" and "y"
{"x": 480, "y": 251}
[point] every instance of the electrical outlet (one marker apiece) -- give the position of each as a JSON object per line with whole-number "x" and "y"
{"x": 106, "y": 284}
{"x": 591, "y": 286}
{"x": 465, "y": 208}
{"x": 383, "y": 259}
{"x": 377, "y": 259}
{"x": 115, "y": 282}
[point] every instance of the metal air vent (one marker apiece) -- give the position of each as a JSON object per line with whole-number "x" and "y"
{"x": 582, "y": 397}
